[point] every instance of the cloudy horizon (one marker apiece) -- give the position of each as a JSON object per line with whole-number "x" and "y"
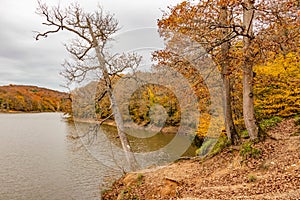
{"x": 24, "y": 61}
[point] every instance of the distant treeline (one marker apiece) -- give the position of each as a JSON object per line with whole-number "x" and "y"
{"x": 33, "y": 99}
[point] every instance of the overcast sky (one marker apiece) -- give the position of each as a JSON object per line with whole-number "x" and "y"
{"x": 26, "y": 61}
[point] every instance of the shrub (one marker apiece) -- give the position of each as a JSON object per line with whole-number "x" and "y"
{"x": 244, "y": 134}
{"x": 247, "y": 151}
{"x": 269, "y": 123}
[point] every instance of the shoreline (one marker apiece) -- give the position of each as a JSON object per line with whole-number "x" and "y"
{"x": 109, "y": 122}
{"x": 27, "y": 112}
{"x": 226, "y": 175}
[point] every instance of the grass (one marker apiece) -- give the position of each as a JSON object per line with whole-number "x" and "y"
{"x": 269, "y": 123}
{"x": 221, "y": 144}
{"x": 140, "y": 179}
{"x": 248, "y": 151}
{"x": 244, "y": 134}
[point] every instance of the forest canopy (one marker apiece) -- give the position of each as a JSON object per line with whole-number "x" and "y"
{"x": 33, "y": 99}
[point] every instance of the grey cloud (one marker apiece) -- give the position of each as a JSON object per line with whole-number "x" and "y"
{"x": 26, "y": 61}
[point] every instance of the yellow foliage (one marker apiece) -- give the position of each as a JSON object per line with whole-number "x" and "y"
{"x": 277, "y": 87}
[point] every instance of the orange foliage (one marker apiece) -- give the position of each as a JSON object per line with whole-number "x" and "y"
{"x": 33, "y": 99}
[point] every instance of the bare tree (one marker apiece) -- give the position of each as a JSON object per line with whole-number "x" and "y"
{"x": 93, "y": 31}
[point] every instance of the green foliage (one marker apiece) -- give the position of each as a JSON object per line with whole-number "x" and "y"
{"x": 269, "y": 123}
{"x": 140, "y": 179}
{"x": 297, "y": 120}
{"x": 221, "y": 144}
{"x": 244, "y": 134}
{"x": 145, "y": 99}
{"x": 248, "y": 151}
{"x": 206, "y": 147}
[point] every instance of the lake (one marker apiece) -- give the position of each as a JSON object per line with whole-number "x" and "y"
{"x": 38, "y": 160}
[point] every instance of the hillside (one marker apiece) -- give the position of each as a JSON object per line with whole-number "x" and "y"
{"x": 32, "y": 99}
{"x": 267, "y": 170}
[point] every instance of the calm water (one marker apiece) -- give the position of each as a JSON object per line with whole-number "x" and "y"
{"x": 38, "y": 161}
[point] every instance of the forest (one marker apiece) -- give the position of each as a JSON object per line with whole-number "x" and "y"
{"x": 276, "y": 94}
{"x": 254, "y": 45}
{"x": 23, "y": 98}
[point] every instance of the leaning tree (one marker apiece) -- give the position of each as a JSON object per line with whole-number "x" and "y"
{"x": 92, "y": 31}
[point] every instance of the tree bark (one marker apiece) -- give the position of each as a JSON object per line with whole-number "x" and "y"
{"x": 248, "y": 97}
{"x": 231, "y": 132}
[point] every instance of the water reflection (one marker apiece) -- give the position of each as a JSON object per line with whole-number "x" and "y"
{"x": 39, "y": 161}
{"x": 103, "y": 143}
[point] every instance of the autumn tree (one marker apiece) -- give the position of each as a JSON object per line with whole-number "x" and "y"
{"x": 208, "y": 24}
{"x": 277, "y": 88}
{"x": 231, "y": 131}
{"x": 248, "y": 94}
{"x": 270, "y": 27}
{"x": 92, "y": 33}
{"x": 32, "y": 99}
{"x": 236, "y": 34}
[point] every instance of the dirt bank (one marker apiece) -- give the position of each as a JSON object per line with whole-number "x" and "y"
{"x": 273, "y": 174}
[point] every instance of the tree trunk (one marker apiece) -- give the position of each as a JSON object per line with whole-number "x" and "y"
{"x": 248, "y": 97}
{"x": 115, "y": 109}
{"x": 117, "y": 116}
{"x": 121, "y": 132}
{"x": 232, "y": 134}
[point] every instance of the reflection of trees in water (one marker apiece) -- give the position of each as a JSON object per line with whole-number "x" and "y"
{"x": 85, "y": 171}
{"x": 91, "y": 137}
{"x": 103, "y": 144}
